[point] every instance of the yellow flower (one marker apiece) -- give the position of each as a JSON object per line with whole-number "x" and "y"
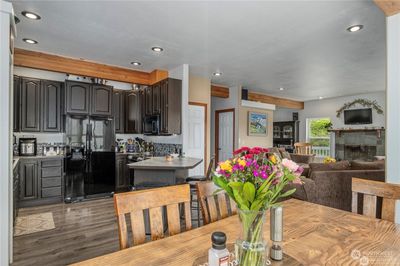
{"x": 241, "y": 162}
{"x": 272, "y": 158}
{"x": 329, "y": 160}
{"x": 226, "y": 166}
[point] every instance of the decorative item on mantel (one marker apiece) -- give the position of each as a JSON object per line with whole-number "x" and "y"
{"x": 364, "y": 102}
{"x": 255, "y": 180}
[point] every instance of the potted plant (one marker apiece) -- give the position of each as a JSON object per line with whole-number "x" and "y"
{"x": 255, "y": 180}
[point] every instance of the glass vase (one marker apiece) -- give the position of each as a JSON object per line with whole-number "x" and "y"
{"x": 250, "y": 247}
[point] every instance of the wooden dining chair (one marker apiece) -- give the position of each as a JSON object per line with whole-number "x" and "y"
{"x": 135, "y": 202}
{"x": 371, "y": 190}
{"x": 303, "y": 148}
{"x": 214, "y": 206}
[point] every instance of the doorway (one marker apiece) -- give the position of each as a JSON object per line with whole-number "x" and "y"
{"x": 224, "y": 134}
{"x": 197, "y": 147}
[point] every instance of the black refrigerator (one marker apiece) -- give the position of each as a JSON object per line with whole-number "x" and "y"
{"x": 90, "y": 158}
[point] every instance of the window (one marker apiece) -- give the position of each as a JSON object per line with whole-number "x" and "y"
{"x": 318, "y": 135}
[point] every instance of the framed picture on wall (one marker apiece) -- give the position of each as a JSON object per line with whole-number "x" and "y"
{"x": 257, "y": 124}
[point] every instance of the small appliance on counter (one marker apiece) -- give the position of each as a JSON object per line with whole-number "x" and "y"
{"x": 27, "y": 146}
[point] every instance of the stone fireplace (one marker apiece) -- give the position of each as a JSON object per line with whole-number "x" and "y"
{"x": 358, "y": 144}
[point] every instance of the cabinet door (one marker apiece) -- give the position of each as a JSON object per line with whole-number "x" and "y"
{"x": 164, "y": 106}
{"x": 174, "y": 106}
{"x": 77, "y": 97}
{"x": 133, "y": 114}
{"x": 156, "y": 98}
{"x": 30, "y": 105}
{"x": 29, "y": 180}
{"x": 102, "y": 99}
{"x": 16, "y": 96}
{"x": 148, "y": 99}
{"x": 120, "y": 173}
{"x": 51, "y": 106}
{"x": 119, "y": 110}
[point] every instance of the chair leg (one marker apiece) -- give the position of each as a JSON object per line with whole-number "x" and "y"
{"x": 198, "y": 212}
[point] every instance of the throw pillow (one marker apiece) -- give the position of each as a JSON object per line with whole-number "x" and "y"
{"x": 285, "y": 155}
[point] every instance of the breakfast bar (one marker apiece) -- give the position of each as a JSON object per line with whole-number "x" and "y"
{"x": 158, "y": 171}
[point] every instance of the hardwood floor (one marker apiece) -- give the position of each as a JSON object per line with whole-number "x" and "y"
{"x": 83, "y": 230}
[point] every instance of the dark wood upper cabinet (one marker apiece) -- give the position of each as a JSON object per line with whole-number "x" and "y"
{"x": 156, "y": 98}
{"x": 30, "y": 105}
{"x": 119, "y": 111}
{"x": 51, "y": 106}
{"x": 77, "y": 97}
{"x": 133, "y": 112}
{"x": 148, "y": 100}
{"x": 102, "y": 99}
{"x": 171, "y": 106}
{"x": 16, "y": 102}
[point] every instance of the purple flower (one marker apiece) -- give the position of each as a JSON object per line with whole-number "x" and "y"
{"x": 264, "y": 175}
{"x": 255, "y": 173}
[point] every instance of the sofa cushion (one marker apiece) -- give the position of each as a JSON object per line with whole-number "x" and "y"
{"x": 362, "y": 165}
{"x": 285, "y": 154}
{"x": 342, "y": 165}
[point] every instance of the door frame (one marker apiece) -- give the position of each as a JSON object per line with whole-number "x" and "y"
{"x": 205, "y": 106}
{"x": 217, "y": 112}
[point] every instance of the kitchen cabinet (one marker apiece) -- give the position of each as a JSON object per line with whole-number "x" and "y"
{"x": 51, "y": 106}
{"x": 148, "y": 100}
{"x": 15, "y": 191}
{"x": 16, "y": 102}
{"x": 119, "y": 111}
{"x": 101, "y": 100}
{"x": 41, "y": 181}
{"x": 133, "y": 112}
{"x": 170, "y": 106}
{"x": 156, "y": 98}
{"x": 77, "y": 97}
{"x": 121, "y": 173}
{"x": 30, "y": 104}
{"x": 286, "y": 134}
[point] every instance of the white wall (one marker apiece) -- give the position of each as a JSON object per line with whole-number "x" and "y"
{"x": 328, "y": 108}
{"x": 225, "y": 103}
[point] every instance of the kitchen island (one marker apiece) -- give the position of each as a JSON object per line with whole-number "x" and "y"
{"x": 157, "y": 171}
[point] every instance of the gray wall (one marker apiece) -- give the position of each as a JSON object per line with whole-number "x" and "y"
{"x": 328, "y": 107}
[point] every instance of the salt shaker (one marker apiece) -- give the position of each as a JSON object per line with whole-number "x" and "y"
{"x": 218, "y": 255}
{"x": 276, "y": 231}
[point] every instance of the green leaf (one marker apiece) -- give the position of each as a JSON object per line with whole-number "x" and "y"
{"x": 236, "y": 185}
{"x": 222, "y": 183}
{"x": 249, "y": 191}
{"x": 242, "y": 203}
{"x": 256, "y": 205}
{"x": 287, "y": 193}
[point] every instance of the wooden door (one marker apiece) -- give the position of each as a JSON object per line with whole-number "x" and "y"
{"x": 156, "y": 98}
{"x": 119, "y": 111}
{"x": 16, "y": 102}
{"x": 77, "y": 97}
{"x": 197, "y": 136}
{"x": 224, "y": 134}
{"x": 102, "y": 99}
{"x": 148, "y": 99}
{"x": 51, "y": 106}
{"x": 29, "y": 180}
{"x": 30, "y": 105}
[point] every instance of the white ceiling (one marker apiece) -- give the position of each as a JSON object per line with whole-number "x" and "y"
{"x": 302, "y": 46}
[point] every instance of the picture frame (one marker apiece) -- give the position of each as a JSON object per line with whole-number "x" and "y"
{"x": 257, "y": 124}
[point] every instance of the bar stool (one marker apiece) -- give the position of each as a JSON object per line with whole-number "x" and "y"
{"x": 192, "y": 181}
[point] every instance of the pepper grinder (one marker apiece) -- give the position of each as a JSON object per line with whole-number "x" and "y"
{"x": 276, "y": 233}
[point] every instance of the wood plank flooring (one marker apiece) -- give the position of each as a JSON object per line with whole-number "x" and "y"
{"x": 83, "y": 230}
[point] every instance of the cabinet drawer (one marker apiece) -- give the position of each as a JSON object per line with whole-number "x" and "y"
{"x": 51, "y": 192}
{"x": 51, "y": 172}
{"x": 51, "y": 182}
{"x": 51, "y": 163}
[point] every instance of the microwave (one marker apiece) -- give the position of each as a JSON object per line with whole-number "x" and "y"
{"x": 151, "y": 125}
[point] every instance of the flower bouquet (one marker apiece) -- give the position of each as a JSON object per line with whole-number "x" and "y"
{"x": 255, "y": 180}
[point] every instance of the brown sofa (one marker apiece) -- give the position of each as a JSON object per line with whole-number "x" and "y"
{"x": 330, "y": 185}
{"x": 300, "y": 159}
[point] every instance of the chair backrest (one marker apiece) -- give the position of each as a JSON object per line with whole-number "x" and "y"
{"x": 135, "y": 202}
{"x": 214, "y": 207}
{"x": 303, "y": 148}
{"x": 371, "y": 190}
{"x": 210, "y": 167}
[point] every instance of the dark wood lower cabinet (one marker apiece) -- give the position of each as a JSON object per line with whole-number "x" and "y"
{"x": 40, "y": 181}
{"x": 121, "y": 173}
{"x": 16, "y": 181}
{"x": 16, "y": 102}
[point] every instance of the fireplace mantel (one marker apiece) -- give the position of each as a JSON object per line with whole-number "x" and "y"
{"x": 339, "y": 131}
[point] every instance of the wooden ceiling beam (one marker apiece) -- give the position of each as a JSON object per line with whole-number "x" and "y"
{"x": 281, "y": 102}
{"x": 389, "y": 7}
{"x": 219, "y": 91}
{"x": 43, "y": 61}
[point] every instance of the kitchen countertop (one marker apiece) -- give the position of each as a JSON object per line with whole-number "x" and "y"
{"x": 161, "y": 163}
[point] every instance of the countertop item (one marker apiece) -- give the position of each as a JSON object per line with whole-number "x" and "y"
{"x": 330, "y": 235}
{"x": 161, "y": 163}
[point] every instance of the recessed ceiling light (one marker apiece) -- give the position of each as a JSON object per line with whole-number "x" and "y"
{"x": 30, "y": 15}
{"x": 355, "y": 28}
{"x": 320, "y": 97}
{"x": 30, "y": 41}
{"x": 157, "y": 49}
{"x": 136, "y": 63}
{"x": 281, "y": 89}
{"x": 217, "y": 74}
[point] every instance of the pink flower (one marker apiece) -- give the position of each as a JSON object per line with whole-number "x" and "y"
{"x": 292, "y": 166}
{"x": 297, "y": 180}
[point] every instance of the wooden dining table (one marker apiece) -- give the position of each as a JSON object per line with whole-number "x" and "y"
{"x": 313, "y": 235}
